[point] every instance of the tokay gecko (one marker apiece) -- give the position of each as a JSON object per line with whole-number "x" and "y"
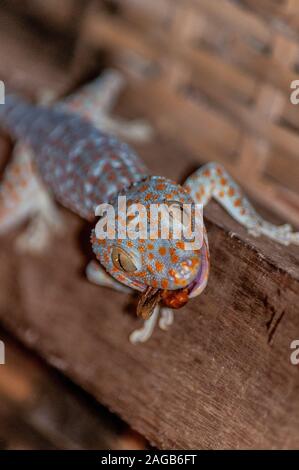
{"x": 71, "y": 150}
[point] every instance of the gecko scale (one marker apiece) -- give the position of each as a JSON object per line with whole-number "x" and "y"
{"x": 64, "y": 150}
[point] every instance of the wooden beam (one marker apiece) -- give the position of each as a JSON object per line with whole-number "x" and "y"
{"x": 220, "y": 378}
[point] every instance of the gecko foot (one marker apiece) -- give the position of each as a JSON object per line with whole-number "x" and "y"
{"x": 137, "y": 130}
{"x": 143, "y": 334}
{"x": 166, "y": 319}
{"x": 282, "y": 234}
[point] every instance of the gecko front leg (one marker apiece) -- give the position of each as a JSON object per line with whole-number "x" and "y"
{"x": 97, "y": 275}
{"x": 212, "y": 180}
{"x": 166, "y": 318}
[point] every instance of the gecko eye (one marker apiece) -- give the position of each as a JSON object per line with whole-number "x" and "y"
{"x": 123, "y": 260}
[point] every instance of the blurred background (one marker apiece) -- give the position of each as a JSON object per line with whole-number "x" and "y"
{"x": 214, "y": 80}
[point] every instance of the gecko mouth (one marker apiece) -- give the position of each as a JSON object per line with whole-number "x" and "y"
{"x": 150, "y": 297}
{"x": 173, "y": 299}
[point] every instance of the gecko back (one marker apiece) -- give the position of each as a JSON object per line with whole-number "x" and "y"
{"x": 81, "y": 165}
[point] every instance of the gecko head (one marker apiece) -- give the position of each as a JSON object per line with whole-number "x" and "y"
{"x": 143, "y": 240}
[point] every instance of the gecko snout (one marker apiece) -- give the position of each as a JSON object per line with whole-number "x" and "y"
{"x": 183, "y": 273}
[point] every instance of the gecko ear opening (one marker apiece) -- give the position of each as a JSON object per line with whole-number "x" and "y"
{"x": 148, "y": 300}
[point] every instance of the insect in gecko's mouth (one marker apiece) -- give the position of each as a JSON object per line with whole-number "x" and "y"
{"x": 175, "y": 299}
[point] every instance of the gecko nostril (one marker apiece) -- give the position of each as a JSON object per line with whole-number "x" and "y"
{"x": 185, "y": 271}
{"x": 186, "y": 265}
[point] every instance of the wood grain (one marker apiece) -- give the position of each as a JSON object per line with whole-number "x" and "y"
{"x": 41, "y": 409}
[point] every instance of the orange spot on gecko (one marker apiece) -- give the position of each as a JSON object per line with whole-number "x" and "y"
{"x": 207, "y": 173}
{"x": 160, "y": 187}
{"x": 174, "y": 258}
{"x": 172, "y": 273}
{"x": 150, "y": 256}
{"x": 180, "y": 244}
{"x": 231, "y": 192}
{"x": 221, "y": 194}
{"x": 164, "y": 283}
{"x": 219, "y": 171}
{"x": 159, "y": 266}
{"x": 237, "y": 202}
{"x": 150, "y": 246}
{"x": 141, "y": 274}
{"x": 180, "y": 282}
{"x": 194, "y": 262}
{"x": 162, "y": 251}
{"x": 223, "y": 181}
